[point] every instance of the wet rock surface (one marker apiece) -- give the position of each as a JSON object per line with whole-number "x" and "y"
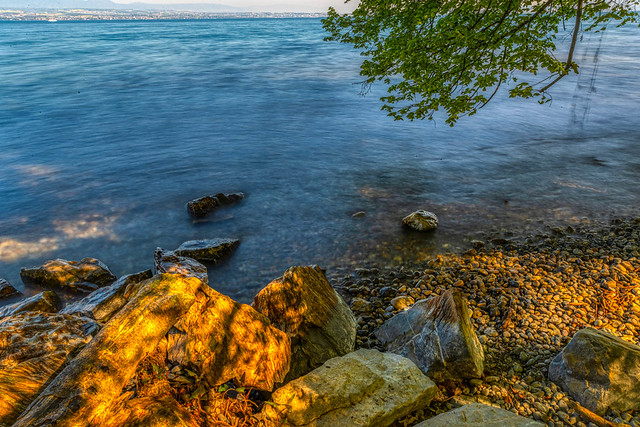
{"x": 209, "y": 251}
{"x": 44, "y": 302}
{"x": 7, "y": 290}
{"x": 169, "y": 262}
{"x": 437, "y": 336}
{"x": 201, "y": 207}
{"x": 363, "y": 388}
{"x": 85, "y": 275}
{"x": 599, "y": 370}
{"x": 421, "y": 220}
{"x": 303, "y": 304}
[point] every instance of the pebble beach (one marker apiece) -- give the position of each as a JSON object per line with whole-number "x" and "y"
{"x": 528, "y": 296}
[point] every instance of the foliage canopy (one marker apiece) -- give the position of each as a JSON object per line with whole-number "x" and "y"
{"x": 454, "y": 55}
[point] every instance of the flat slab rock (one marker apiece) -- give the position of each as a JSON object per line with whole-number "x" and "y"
{"x": 599, "y": 370}
{"x": 209, "y": 251}
{"x": 363, "y": 388}
{"x": 479, "y": 415}
{"x": 304, "y": 305}
{"x": 85, "y": 275}
{"x": 44, "y": 302}
{"x": 199, "y": 208}
{"x": 437, "y": 335}
{"x": 33, "y": 349}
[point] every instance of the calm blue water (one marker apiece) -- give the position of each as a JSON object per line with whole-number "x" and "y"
{"x": 107, "y": 129}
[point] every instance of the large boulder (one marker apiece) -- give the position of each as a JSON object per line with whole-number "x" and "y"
{"x": 172, "y": 263}
{"x": 85, "y": 275}
{"x": 438, "y": 336}
{"x": 7, "y": 290}
{"x": 44, "y": 302}
{"x": 209, "y": 251}
{"x": 363, "y": 388}
{"x": 226, "y": 340}
{"x": 33, "y": 349}
{"x": 479, "y": 415}
{"x": 304, "y": 305}
{"x": 421, "y": 220}
{"x": 199, "y": 208}
{"x": 102, "y": 304}
{"x": 599, "y": 371}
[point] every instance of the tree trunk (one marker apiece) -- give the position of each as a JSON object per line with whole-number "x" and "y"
{"x": 85, "y": 390}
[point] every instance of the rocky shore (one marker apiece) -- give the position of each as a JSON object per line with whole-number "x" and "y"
{"x": 531, "y": 331}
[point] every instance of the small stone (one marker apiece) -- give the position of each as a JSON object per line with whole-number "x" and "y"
{"x": 360, "y": 214}
{"x": 401, "y": 302}
{"x": 421, "y": 220}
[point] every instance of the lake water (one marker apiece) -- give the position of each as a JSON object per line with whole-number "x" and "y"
{"x": 107, "y": 129}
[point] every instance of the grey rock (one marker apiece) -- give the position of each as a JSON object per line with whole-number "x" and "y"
{"x": 437, "y": 335}
{"x": 172, "y": 263}
{"x": 102, "y": 304}
{"x": 44, "y": 302}
{"x": 7, "y": 290}
{"x": 208, "y": 251}
{"x": 599, "y": 370}
{"x": 421, "y": 220}
{"x": 363, "y": 388}
{"x": 479, "y": 415}
{"x": 303, "y": 304}
{"x": 85, "y": 275}
{"x": 199, "y": 208}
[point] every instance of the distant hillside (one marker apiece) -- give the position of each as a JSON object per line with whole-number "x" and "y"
{"x": 107, "y": 4}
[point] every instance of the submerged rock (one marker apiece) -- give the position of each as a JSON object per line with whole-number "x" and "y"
{"x": 226, "y": 340}
{"x": 304, "y": 305}
{"x": 479, "y": 415}
{"x": 363, "y": 388}
{"x": 44, "y": 302}
{"x": 105, "y": 302}
{"x": 199, "y": 208}
{"x": 599, "y": 370}
{"x": 172, "y": 263}
{"x": 208, "y": 251}
{"x": 437, "y": 335}
{"x": 421, "y": 220}
{"x": 85, "y": 275}
{"x": 7, "y": 290}
{"x": 33, "y": 349}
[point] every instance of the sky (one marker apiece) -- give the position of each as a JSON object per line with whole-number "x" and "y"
{"x": 264, "y": 5}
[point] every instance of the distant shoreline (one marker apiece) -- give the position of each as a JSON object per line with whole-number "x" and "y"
{"x": 56, "y": 15}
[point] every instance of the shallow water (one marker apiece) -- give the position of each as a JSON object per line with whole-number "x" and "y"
{"x": 107, "y": 129}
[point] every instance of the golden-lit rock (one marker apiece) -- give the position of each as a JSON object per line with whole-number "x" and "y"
{"x": 7, "y": 290}
{"x": 84, "y": 392}
{"x": 169, "y": 262}
{"x": 33, "y": 349}
{"x": 102, "y": 304}
{"x": 304, "y": 305}
{"x": 85, "y": 275}
{"x": 363, "y": 388}
{"x": 227, "y": 340}
{"x": 150, "y": 412}
{"x": 44, "y": 302}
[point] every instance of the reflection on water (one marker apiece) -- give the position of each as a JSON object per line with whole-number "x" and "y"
{"x": 109, "y": 128}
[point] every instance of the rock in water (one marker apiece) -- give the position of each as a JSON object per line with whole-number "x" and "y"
{"x": 85, "y": 275}
{"x": 33, "y": 349}
{"x": 207, "y": 251}
{"x": 7, "y": 290}
{"x": 102, "y": 304}
{"x": 199, "y": 208}
{"x": 438, "y": 336}
{"x": 304, "y": 305}
{"x": 169, "y": 262}
{"x": 421, "y": 220}
{"x": 363, "y": 388}
{"x": 227, "y": 340}
{"x": 479, "y": 415}
{"x": 44, "y": 302}
{"x": 599, "y": 370}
